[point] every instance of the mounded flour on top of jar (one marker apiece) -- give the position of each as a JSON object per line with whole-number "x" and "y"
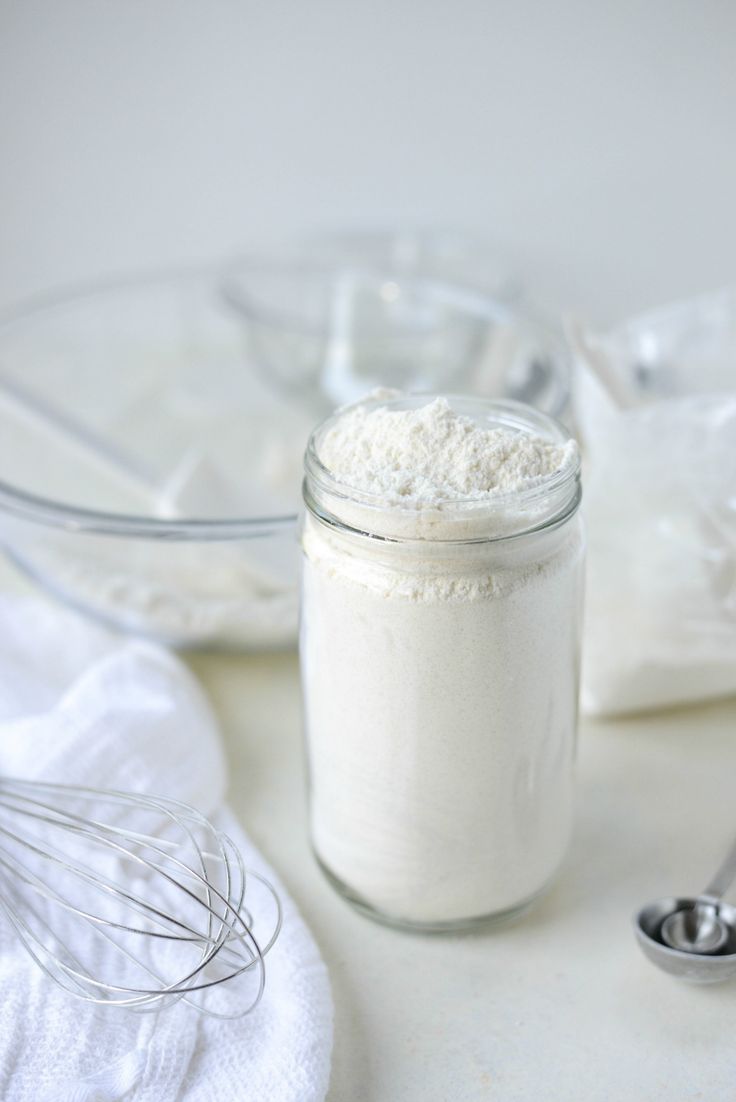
{"x": 440, "y": 640}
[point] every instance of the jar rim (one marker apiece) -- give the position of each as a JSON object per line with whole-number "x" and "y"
{"x": 560, "y": 488}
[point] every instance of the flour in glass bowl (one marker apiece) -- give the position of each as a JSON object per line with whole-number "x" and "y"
{"x": 439, "y": 660}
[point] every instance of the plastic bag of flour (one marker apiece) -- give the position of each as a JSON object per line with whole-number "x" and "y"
{"x": 655, "y": 406}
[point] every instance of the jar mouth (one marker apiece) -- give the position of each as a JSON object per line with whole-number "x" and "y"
{"x": 549, "y": 500}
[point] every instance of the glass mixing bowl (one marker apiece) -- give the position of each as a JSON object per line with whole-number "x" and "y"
{"x": 151, "y": 446}
{"x": 148, "y": 476}
{"x": 423, "y": 311}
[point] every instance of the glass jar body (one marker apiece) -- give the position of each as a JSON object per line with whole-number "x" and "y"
{"x": 440, "y": 687}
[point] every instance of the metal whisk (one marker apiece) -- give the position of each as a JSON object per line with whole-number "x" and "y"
{"x": 133, "y": 900}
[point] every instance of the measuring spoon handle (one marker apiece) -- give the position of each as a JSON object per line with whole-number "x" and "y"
{"x": 722, "y": 880}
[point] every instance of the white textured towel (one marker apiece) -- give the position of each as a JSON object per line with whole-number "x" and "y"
{"x": 78, "y": 706}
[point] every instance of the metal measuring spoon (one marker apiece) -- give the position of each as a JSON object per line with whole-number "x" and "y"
{"x": 694, "y": 939}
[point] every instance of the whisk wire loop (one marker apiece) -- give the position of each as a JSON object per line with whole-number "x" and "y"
{"x": 139, "y": 912}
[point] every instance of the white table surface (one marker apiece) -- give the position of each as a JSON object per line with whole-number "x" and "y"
{"x": 560, "y": 1006}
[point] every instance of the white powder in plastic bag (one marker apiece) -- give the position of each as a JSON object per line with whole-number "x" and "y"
{"x": 660, "y": 506}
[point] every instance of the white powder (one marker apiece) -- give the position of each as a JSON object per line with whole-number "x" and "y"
{"x": 660, "y": 623}
{"x": 180, "y": 594}
{"x": 430, "y": 455}
{"x": 440, "y": 677}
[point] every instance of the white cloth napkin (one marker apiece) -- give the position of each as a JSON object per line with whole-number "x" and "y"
{"x": 79, "y": 706}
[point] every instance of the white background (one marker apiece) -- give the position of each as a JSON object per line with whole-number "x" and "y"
{"x": 594, "y": 142}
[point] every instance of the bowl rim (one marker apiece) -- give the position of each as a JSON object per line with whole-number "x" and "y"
{"x": 73, "y": 518}
{"x": 26, "y": 307}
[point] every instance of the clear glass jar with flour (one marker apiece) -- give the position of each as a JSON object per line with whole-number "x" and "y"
{"x": 441, "y": 600}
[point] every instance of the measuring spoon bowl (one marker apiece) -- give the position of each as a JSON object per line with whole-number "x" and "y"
{"x": 710, "y": 966}
{"x": 696, "y": 929}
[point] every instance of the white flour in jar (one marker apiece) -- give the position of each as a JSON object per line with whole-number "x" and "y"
{"x": 424, "y": 457}
{"x": 440, "y": 684}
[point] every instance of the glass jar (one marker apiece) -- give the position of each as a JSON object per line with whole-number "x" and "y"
{"x": 440, "y": 658}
